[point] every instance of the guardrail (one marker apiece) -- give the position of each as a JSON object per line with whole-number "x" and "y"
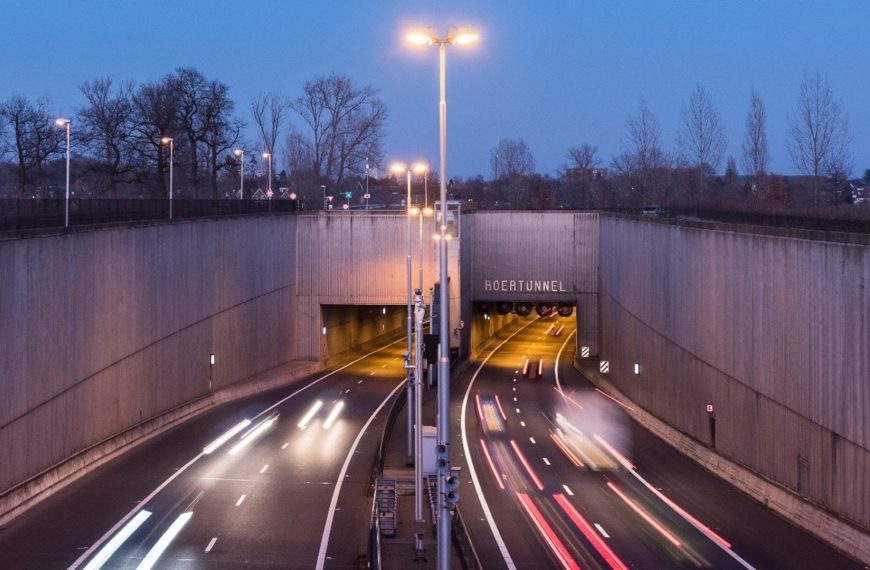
{"x": 18, "y": 214}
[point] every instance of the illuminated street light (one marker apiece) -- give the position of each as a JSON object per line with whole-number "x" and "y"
{"x": 443, "y": 439}
{"x": 241, "y": 154}
{"x": 268, "y": 156}
{"x": 171, "y": 143}
{"x": 61, "y": 122}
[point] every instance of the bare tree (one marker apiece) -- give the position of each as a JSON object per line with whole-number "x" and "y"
{"x": 192, "y": 86}
{"x": 220, "y": 130}
{"x": 642, "y": 159}
{"x": 701, "y": 139}
{"x": 819, "y": 131}
{"x": 346, "y": 124}
{"x": 269, "y": 111}
{"x": 511, "y": 158}
{"x": 31, "y": 135}
{"x": 755, "y": 154}
{"x": 155, "y": 107}
{"x": 105, "y": 127}
{"x": 583, "y": 157}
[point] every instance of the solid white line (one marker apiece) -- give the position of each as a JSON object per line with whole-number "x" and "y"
{"x": 567, "y": 490}
{"x": 602, "y": 531}
{"x": 558, "y": 355}
{"x": 241, "y": 500}
{"x": 210, "y": 544}
{"x": 327, "y": 529}
{"x": 493, "y": 527}
{"x": 263, "y": 470}
{"x": 546, "y": 461}
{"x": 113, "y": 545}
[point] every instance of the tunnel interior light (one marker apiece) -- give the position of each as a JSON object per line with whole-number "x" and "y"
{"x": 324, "y": 331}
{"x": 709, "y": 408}
{"x": 637, "y": 367}
{"x": 384, "y": 311}
{"x": 211, "y": 359}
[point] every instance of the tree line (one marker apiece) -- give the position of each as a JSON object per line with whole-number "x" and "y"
{"x": 121, "y": 136}
{"x": 643, "y": 172}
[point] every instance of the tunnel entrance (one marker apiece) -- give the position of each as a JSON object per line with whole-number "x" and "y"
{"x": 349, "y": 329}
{"x": 491, "y": 320}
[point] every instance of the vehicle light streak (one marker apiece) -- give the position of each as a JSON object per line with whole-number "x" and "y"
{"x": 619, "y": 457}
{"x": 645, "y": 516}
{"x": 606, "y": 395}
{"x": 540, "y": 367}
{"x": 491, "y": 465}
{"x": 478, "y": 409}
{"x": 113, "y": 545}
{"x": 559, "y": 331}
{"x": 163, "y": 542}
{"x": 254, "y": 434}
{"x": 603, "y": 549}
{"x": 500, "y": 409}
{"x": 333, "y": 414}
{"x": 547, "y": 532}
{"x": 567, "y": 397}
{"x": 550, "y": 328}
{"x": 225, "y": 437}
{"x": 526, "y": 368}
{"x": 568, "y": 453}
{"x": 309, "y": 414}
{"x": 534, "y": 476}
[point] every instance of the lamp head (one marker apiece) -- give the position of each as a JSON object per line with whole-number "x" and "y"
{"x": 465, "y": 38}
{"x": 420, "y": 167}
{"x": 398, "y": 167}
{"x": 166, "y": 140}
{"x": 420, "y": 38}
{"x": 266, "y": 155}
{"x": 239, "y": 152}
{"x": 61, "y": 122}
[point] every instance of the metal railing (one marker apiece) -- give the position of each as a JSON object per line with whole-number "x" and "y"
{"x": 49, "y": 213}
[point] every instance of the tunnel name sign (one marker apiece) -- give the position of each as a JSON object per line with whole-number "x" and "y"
{"x": 526, "y": 286}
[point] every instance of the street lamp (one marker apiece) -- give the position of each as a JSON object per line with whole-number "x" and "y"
{"x": 268, "y": 156}
{"x": 241, "y": 154}
{"x": 169, "y": 141}
{"x": 61, "y": 122}
{"x": 323, "y": 189}
{"x": 443, "y": 439}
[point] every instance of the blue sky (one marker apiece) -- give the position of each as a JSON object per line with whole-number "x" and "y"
{"x": 556, "y": 73}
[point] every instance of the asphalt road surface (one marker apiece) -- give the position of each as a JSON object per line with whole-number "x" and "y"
{"x": 286, "y": 490}
{"x": 556, "y": 475}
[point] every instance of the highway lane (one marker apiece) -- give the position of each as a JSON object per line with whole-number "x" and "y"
{"x": 565, "y": 479}
{"x": 262, "y": 499}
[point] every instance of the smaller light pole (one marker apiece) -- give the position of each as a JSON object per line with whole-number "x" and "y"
{"x": 241, "y": 154}
{"x": 61, "y": 122}
{"x": 268, "y": 156}
{"x": 323, "y": 189}
{"x": 169, "y": 141}
{"x": 367, "y": 183}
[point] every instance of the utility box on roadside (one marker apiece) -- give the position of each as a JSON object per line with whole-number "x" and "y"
{"x": 430, "y": 438}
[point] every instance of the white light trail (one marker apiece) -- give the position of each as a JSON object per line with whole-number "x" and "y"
{"x": 333, "y": 415}
{"x": 113, "y": 545}
{"x": 164, "y": 541}
{"x": 568, "y": 491}
{"x": 210, "y": 544}
{"x": 309, "y": 414}
{"x": 252, "y": 435}
{"x": 602, "y": 531}
{"x": 241, "y": 500}
{"x": 226, "y": 437}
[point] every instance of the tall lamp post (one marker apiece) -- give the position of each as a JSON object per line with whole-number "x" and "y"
{"x": 170, "y": 142}
{"x": 268, "y": 156}
{"x": 443, "y": 440}
{"x": 61, "y": 122}
{"x": 241, "y": 154}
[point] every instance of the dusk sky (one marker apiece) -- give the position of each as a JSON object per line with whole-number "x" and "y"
{"x": 556, "y": 74}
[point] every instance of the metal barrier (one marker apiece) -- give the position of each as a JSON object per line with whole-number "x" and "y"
{"x": 48, "y": 213}
{"x": 374, "y": 550}
{"x": 462, "y": 542}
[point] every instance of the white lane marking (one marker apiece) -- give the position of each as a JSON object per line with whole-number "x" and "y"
{"x": 372, "y": 374}
{"x": 184, "y": 467}
{"x": 514, "y": 388}
{"x": 263, "y": 470}
{"x": 546, "y": 461}
{"x": 522, "y": 423}
{"x": 533, "y": 440}
{"x": 515, "y": 399}
{"x": 113, "y": 545}
{"x": 359, "y": 382}
{"x": 601, "y": 530}
{"x": 558, "y": 355}
{"x": 241, "y": 500}
{"x": 327, "y": 529}
{"x": 210, "y": 544}
{"x": 518, "y": 410}
{"x": 285, "y": 445}
{"x": 472, "y": 471}
{"x": 383, "y": 365}
{"x": 567, "y": 490}
{"x": 163, "y": 542}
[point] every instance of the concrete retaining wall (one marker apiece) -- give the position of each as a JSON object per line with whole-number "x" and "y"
{"x": 771, "y": 331}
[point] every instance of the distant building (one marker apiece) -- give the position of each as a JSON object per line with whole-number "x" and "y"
{"x": 587, "y": 173}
